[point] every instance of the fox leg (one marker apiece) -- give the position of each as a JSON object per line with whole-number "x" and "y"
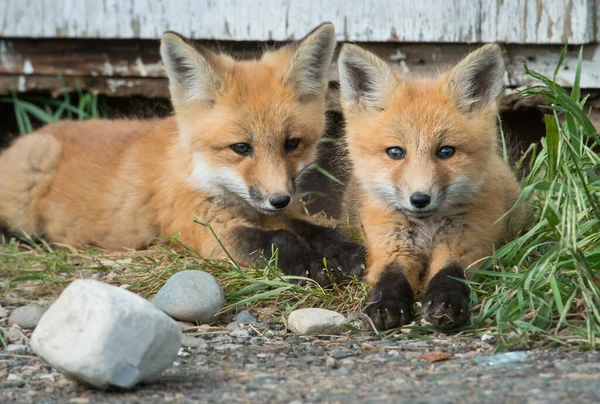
{"x": 394, "y": 274}
{"x": 446, "y": 300}
{"x": 295, "y": 256}
{"x": 331, "y": 244}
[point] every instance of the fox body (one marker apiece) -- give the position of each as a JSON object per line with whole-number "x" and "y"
{"x": 429, "y": 190}
{"x": 242, "y": 134}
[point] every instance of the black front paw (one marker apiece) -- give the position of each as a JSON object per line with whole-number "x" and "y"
{"x": 446, "y": 302}
{"x": 311, "y": 265}
{"x": 349, "y": 255}
{"x": 391, "y": 300}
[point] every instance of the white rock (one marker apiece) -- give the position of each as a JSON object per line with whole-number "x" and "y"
{"x": 191, "y": 296}
{"x": 106, "y": 336}
{"x": 316, "y": 321}
{"x": 14, "y": 378}
{"x": 26, "y": 316}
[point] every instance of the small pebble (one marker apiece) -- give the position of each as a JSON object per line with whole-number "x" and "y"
{"x": 26, "y": 316}
{"x": 16, "y": 349}
{"x": 256, "y": 341}
{"x": 316, "y": 321}
{"x": 14, "y": 378}
{"x": 240, "y": 334}
{"x": 332, "y": 363}
{"x": 16, "y": 335}
{"x": 3, "y": 313}
{"x": 244, "y": 317}
{"x": 227, "y": 347}
{"x": 190, "y": 341}
{"x": 191, "y": 296}
{"x": 393, "y": 352}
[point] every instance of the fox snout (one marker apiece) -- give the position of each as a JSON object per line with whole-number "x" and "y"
{"x": 270, "y": 202}
{"x": 420, "y": 200}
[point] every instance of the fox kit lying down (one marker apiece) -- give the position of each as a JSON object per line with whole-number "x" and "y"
{"x": 242, "y": 134}
{"x": 428, "y": 187}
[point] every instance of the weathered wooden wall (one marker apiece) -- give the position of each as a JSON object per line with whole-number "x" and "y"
{"x": 111, "y": 46}
{"x": 470, "y": 21}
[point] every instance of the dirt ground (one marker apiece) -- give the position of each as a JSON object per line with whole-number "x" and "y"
{"x": 272, "y": 365}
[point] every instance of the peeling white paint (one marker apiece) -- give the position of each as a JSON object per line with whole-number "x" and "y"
{"x": 28, "y": 67}
{"x": 7, "y": 55}
{"x": 114, "y": 84}
{"x": 518, "y": 21}
{"x": 546, "y": 63}
{"x": 22, "y": 84}
{"x": 140, "y": 67}
{"x": 108, "y": 69}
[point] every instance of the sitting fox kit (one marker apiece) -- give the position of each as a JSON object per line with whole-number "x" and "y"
{"x": 429, "y": 189}
{"x": 242, "y": 134}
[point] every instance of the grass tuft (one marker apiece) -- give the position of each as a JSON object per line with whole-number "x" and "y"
{"x": 544, "y": 286}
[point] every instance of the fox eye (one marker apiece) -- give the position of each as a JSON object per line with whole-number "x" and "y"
{"x": 291, "y": 144}
{"x": 395, "y": 153}
{"x": 445, "y": 152}
{"x": 243, "y": 149}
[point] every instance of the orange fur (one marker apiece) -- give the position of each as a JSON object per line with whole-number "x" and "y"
{"x": 122, "y": 183}
{"x": 471, "y": 190}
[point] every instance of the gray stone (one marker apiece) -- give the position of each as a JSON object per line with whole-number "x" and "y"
{"x": 17, "y": 349}
{"x": 26, "y": 316}
{"x": 14, "y": 378}
{"x": 240, "y": 333}
{"x": 227, "y": 347}
{"x": 3, "y": 313}
{"x": 244, "y": 317}
{"x": 316, "y": 321}
{"x": 106, "y": 336}
{"x": 191, "y": 296}
{"x": 193, "y": 342}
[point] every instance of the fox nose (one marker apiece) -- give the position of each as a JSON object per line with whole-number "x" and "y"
{"x": 280, "y": 201}
{"x": 419, "y": 200}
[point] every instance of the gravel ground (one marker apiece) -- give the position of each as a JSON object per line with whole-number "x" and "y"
{"x": 270, "y": 365}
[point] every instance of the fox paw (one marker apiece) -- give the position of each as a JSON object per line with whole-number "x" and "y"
{"x": 389, "y": 312}
{"x": 391, "y": 300}
{"x": 446, "y": 302}
{"x": 311, "y": 265}
{"x": 350, "y": 256}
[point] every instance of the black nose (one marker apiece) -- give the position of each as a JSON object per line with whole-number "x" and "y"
{"x": 280, "y": 201}
{"x": 419, "y": 200}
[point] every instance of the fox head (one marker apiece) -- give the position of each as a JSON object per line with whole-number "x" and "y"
{"x": 423, "y": 146}
{"x": 251, "y": 127}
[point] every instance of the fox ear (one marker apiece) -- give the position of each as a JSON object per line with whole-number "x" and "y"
{"x": 365, "y": 79}
{"x": 191, "y": 71}
{"x": 477, "y": 80}
{"x": 309, "y": 66}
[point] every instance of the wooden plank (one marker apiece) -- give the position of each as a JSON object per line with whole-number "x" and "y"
{"x": 117, "y": 87}
{"x": 133, "y": 67}
{"x": 540, "y": 22}
{"x": 543, "y": 60}
{"x": 243, "y": 20}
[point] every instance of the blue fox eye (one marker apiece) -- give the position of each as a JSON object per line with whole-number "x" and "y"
{"x": 445, "y": 152}
{"x": 395, "y": 153}
{"x": 291, "y": 144}
{"x": 243, "y": 149}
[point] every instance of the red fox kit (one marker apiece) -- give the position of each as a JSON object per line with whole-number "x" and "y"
{"x": 242, "y": 134}
{"x": 428, "y": 183}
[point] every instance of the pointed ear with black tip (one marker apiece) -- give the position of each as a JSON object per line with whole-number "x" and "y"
{"x": 477, "y": 81}
{"x": 191, "y": 70}
{"x": 309, "y": 66}
{"x": 366, "y": 80}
